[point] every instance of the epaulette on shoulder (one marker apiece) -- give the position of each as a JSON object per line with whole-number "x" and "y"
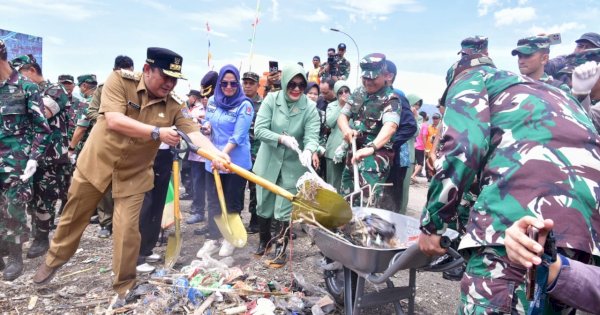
{"x": 127, "y": 74}
{"x": 176, "y": 98}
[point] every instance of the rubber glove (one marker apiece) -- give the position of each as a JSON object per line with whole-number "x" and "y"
{"x": 585, "y": 77}
{"x": 306, "y": 158}
{"x": 29, "y": 170}
{"x": 289, "y": 142}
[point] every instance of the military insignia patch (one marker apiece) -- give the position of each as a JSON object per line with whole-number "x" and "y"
{"x": 248, "y": 110}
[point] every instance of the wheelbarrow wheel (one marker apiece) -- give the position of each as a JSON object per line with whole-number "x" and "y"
{"x": 334, "y": 283}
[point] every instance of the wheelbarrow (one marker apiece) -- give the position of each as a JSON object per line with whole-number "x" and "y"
{"x": 377, "y": 265}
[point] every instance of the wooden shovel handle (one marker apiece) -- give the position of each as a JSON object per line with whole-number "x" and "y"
{"x": 249, "y": 176}
{"x": 219, "y": 186}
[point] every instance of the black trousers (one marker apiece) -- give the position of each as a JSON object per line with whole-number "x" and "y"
{"x": 154, "y": 202}
{"x": 392, "y": 197}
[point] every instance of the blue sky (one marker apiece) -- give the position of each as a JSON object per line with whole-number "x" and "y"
{"x": 421, "y": 37}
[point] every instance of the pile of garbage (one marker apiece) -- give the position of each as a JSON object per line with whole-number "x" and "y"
{"x": 210, "y": 286}
{"x": 373, "y": 231}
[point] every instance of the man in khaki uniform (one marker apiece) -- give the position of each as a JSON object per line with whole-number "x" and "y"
{"x": 137, "y": 113}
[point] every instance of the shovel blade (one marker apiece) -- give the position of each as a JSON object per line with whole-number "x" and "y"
{"x": 328, "y": 208}
{"x": 173, "y": 248}
{"x": 232, "y": 228}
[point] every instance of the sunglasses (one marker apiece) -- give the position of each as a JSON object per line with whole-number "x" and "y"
{"x": 292, "y": 85}
{"x": 343, "y": 91}
{"x": 232, "y": 84}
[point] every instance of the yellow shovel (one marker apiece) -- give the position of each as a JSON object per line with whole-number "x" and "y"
{"x": 325, "y": 206}
{"x": 174, "y": 241}
{"x": 230, "y": 224}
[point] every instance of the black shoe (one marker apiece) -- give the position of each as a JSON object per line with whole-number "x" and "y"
{"x": 14, "y": 268}
{"x": 94, "y": 220}
{"x": 185, "y": 196}
{"x": 264, "y": 227}
{"x": 201, "y": 231}
{"x": 38, "y": 247}
{"x": 280, "y": 254}
{"x": 253, "y": 229}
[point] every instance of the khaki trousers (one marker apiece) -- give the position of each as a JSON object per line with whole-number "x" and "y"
{"x": 82, "y": 200}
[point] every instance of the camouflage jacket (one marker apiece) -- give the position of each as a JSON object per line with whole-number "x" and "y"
{"x": 537, "y": 154}
{"x": 254, "y": 143}
{"x": 342, "y": 69}
{"x": 370, "y": 112}
{"x": 58, "y": 143}
{"x": 72, "y": 108}
{"x": 92, "y": 111}
{"x": 559, "y": 84}
{"x": 83, "y": 121}
{"x": 24, "y": 129}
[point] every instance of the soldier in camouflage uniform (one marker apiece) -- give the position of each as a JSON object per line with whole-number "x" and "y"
{"x": 23, "y": 138}
{"x": 49, "y": 181}
{"x": 87, "y": 86}
{"x": 537, "y": 154}
{"x": 342, "y": 65}
{"x": 251, "y": 85}
{"x": 533, "y": 53}
{"x": 68, "y": 82}
{"x": 375, "y": 111}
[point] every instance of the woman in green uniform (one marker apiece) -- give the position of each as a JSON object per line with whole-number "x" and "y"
{"x": 286, "y": 122}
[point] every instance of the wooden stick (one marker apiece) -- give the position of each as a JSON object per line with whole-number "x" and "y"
{"x": 76, "y": 272}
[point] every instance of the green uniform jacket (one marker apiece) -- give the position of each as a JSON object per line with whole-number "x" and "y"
{"x": 274, "y": 161}
{"x": 336, "y": 137}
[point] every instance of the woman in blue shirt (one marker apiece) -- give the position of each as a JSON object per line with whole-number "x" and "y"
{"x": 228, "y": 117}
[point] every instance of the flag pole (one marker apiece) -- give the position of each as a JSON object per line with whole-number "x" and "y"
{"x": 251, "y": 55}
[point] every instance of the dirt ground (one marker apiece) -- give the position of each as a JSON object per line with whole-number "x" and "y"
{"x": 83, "y": 286}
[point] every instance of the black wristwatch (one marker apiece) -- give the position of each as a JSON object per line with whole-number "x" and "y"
{"x": 155, "y": 134}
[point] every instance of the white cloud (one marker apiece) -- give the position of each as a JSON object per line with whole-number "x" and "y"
{"x": 522, "y": 2}
{"x": 368, "y": 11}
{"x": 318, "y": 16}
{"x": 324, "y": 29}
{"x": 483, "y": 7}
{"x": 226, "y": 18}
{"x": 275, "y": 10}
{"x": 557, "y": 28}
{"x": 74, "y": 10}
{"x": 510, "y": 16}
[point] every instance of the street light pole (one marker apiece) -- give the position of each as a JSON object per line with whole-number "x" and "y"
{"x": 357, "y": 53}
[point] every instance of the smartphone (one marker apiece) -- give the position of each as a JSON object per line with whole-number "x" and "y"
{"x": 274, "y": 68}
{"x": 533, "y": 234}
{"x": 555, "y": 39}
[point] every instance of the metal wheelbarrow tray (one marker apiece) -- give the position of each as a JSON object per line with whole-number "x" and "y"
{"x": 366, "y": 260}
{"x": 377, "y": 265}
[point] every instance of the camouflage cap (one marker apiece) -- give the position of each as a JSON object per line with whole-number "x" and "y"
{"x": 20, "y": 61}
{"x": 86, "y": 78}
{"x": 530, "y": 45}
{"x": 250, "y": 76}
{"x": 372, "y": 65}
{"x": 66, "y": 77}
{"x": 473, "y": 45}
{"x": 466, "y": 62}
{"x": 577, "y": 59}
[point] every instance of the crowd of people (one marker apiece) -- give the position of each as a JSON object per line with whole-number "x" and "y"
{"x": 503, "y": 149}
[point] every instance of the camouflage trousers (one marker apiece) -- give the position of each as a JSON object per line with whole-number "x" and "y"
{"x": 50, "y": 186}
{"x": 14, "y": 196}
{"x": 494, "y": 285}
{"x": 373, "y": 169}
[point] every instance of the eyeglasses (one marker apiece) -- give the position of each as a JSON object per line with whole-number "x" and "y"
{"x": 232, "y": 84}
{"x": 293, "y": 84}
{"x": 343, "y": 91}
